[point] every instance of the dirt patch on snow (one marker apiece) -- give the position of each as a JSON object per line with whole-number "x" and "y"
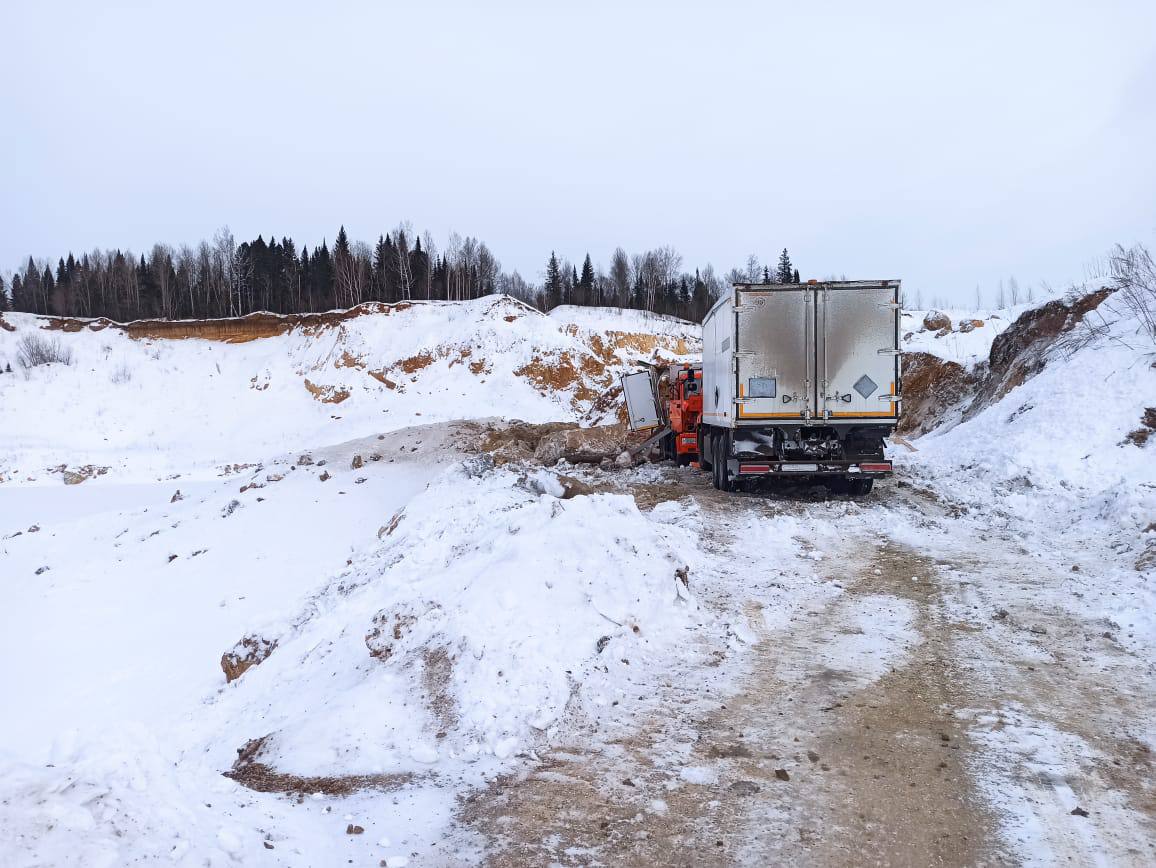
{"x": 249, "y": 652}
{"x": 1141, "y": 435}
{"x": 77, "y": 475}
{"x": 437, "y": 672}
{"x": 327, "y": 394}
{"x": 348, "y": 360}
{"x": 560, "y": 374}
{"x": 383, "y": 379}
{"x": 415, "y": 363}
{"x": 249, "y": 772}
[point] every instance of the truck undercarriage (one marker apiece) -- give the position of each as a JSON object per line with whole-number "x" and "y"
{"x": 845, "y": 459}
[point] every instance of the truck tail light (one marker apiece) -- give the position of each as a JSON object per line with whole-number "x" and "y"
{"x": 754, "y": 468}
{"x": 882, "y": 467}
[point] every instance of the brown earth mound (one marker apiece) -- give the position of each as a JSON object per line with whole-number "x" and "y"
{"x": 552, "y": 442}
{"x": 516, "y": 442}
{"x": 559, "y": 373}
{"x": 934, "y": 321}
{"x": 230, "y": 330}
{"x": 247, "y": 653}
{"x": 582, "y": 445}
{"x": 932, "y": 387}
{"x": 1020, "y": 351}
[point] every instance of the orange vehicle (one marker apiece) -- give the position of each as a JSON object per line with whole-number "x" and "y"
{"x": 683, "y": 396}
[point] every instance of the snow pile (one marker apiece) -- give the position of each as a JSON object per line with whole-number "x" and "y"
{"x": 469, "y": 633}
{"x": 1064, "y": 432}
{"x": 1054, "y": 454}
{"x": 968, "y": 340}
{"x": 99, "y": 804}
{"x": 423, "y": 637}
{"x": 254, "y": 387}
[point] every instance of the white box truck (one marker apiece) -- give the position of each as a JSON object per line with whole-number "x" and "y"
{"x": 801, "y": 381}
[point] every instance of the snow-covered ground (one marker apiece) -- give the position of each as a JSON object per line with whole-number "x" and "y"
{"x": 464, "y": 664}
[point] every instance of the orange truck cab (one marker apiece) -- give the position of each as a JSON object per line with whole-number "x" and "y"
{"x": 684, "y": 408}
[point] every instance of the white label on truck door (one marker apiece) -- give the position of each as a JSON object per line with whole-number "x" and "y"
{"x": 641, "y": 402}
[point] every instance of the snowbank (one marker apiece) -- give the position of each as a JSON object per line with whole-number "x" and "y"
{"x": 1055, "y": 453}
{"x": 149, "y": 406}
{"x": 966, "y": 348}
{"x": 469, "y": 631}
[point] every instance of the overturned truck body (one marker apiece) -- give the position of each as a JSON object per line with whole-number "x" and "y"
{"x": 801, "y": 381}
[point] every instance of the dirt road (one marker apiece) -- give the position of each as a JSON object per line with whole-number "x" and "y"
{"x": 901, "y": 695}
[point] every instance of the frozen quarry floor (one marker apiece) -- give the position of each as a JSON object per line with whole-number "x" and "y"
{"x": 468, "y": 666}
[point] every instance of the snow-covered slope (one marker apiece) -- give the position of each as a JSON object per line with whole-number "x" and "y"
{"x": 241, "y": 390}
{"x": 427, "y": 618}
{"x": 1060, "y": 450}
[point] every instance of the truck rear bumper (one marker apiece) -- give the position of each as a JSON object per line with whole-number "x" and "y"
{"x": 871, "y": 469}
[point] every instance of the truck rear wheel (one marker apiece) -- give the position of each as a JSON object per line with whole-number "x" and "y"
{"x": 860, "y": 487}
{"x": 720, "y": 452}
{"x": 705, "y": 456}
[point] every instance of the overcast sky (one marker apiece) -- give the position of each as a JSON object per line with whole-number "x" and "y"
{"x": 945, "y": 146}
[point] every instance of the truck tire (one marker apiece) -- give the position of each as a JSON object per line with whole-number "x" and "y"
{"x": 705, "y": 456}
{"x": 838, "y": 485}
{"x": 860, "y": 487}
{"x": 720, "y": 451}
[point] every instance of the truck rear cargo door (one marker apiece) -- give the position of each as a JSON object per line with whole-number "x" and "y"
{"x": 775, "y": 355}
{"x": 856, "y": 331}
{"x": 641, "y": 400}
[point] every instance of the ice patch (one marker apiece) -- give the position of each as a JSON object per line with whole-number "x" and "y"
{"x": 702, "y": 775}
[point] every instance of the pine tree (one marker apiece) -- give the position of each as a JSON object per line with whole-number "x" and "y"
{"x": 785, "y": 271}
{"x": 377, "y": 269}
{"x": 32, "y": 289}
{"x": 796, "y": 276}
{"x": 419, "y": 267}
{"x": 4, "y": 305}
{"x": 553, "y": 287}
{"x": 586, "y": 282}
{"x": 766, "y": 275}
{"x": 323, "y": 278}
{"x": 47, "y": 289}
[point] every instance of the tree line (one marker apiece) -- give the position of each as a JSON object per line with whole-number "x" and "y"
{"x": 221, "y": 278}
